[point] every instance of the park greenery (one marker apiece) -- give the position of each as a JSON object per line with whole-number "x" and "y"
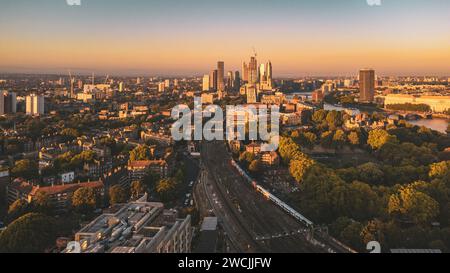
{"x": 396, "y": 190}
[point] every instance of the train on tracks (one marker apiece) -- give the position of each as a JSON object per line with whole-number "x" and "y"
{"x": 268, "y": 195}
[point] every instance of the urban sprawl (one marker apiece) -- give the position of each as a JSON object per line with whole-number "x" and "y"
{"x": 88, "y": 164}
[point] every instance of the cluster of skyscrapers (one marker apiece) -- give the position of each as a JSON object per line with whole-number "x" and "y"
{"x": 252, "y": 74}
{"x": 216, "y": 81}
{"x": 254, "y": 79}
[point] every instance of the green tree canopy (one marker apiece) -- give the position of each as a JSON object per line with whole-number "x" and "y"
{"x": 43, "y": 204}
{"x": 25, "y": 168}
{"x": 439, "y": 170}
{"x": 307, "y": 139}
{"x": 326, "y": 139}
{"x": 370, "y": 173}
{"x": 118, "y": 195}
{"x": 141, "y": 152}
{"x": 70, "y": 134}
{"x": 300, "y": 166}
{"x": 379, "y": 137}
{"x": 288, "y": 149}
{"x": 353, "y": 138}
{"x": 334, "y": 119}
{"x": 413, "y": 205}
{"x": 256, "y": 166}
{"x": 319, "y": 116}
{"x": 84, "y": 200}
{"x": 19, "y": 208}
{"x": 348, "y": 231}
{"x": 246, "y": 157}
{"x": 167, "y": 189}
{"x": 137, "y": 189}
{"x": 31, "y": 233}
{"x": 150, "y": 180}
{"x": 323, "y": 195}
{"x": 339, "y": 138}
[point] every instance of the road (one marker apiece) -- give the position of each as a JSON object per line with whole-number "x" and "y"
{"x": 253, "y": 223}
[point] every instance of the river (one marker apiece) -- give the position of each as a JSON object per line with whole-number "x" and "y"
{"x": 436, "y": 124}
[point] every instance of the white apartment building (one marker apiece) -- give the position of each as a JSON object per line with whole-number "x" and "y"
{"x": 35, "y": 105}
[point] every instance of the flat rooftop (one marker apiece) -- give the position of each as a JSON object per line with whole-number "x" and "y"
{"x": 131, "y": 213}
{"x": 209, "y": 223}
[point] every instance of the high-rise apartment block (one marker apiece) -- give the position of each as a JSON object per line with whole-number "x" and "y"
{"x": 35, "y": 105}
{"x": 206, "y": 83}
{"x": 367, "y": 85}
{"x": 220, "y": 76}
{"x": 213, "y": 79}
{"x": 161, "y": 87}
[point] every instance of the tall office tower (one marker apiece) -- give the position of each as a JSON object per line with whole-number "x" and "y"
{"x": 253, "y": 71}
{"x": 35, "y": 105}
{"x": 230, "y": 80}
{"x": 161, "y": 87}
{"x": 9, "y": 102}
{"x": 175, "y": 82}
{"x": 262, "y": 73}
{"x": 167, "y": 83}
{"x": 2, "y": 102}
{"x": 221, "y": 76}
{"x": 237, "y": 81}
{"x": 251, "y": 94}
{"x": 244, "y": 72}
{"x": 269, "y": 72}
{"x": 206, "y": 82}
{"x": 213, "y": 80}
{"x": 138, "y": 80}
{"x": 366, "y": 85}
{"x": 80, "y": 84}
{"x": 121, "y": 86}
{"x": 265, "y": 76}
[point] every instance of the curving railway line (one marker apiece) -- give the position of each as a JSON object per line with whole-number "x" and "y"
{"x": 267, "y": 227}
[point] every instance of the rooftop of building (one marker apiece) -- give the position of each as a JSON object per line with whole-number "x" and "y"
{"x": 25, "y": 187}
{"x": 146, "y": 163}
{"x": 209, "y": 223}
{"x": 127, "y": 228}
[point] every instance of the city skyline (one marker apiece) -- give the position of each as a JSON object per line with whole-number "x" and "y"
{"x": 301, "y": 38}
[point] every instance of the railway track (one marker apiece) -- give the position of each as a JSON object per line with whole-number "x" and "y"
{"x": 257, "y": 216}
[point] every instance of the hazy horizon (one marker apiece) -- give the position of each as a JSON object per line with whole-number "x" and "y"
{"x": 187, "y": 38}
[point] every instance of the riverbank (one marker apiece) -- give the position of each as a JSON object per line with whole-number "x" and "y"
{"x": 436, "y": 124}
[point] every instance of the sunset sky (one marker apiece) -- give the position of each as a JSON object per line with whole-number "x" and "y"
{"x": 187, "y": 37}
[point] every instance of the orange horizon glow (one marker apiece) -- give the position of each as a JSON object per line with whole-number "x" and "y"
{"x": 301, "y": 38}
